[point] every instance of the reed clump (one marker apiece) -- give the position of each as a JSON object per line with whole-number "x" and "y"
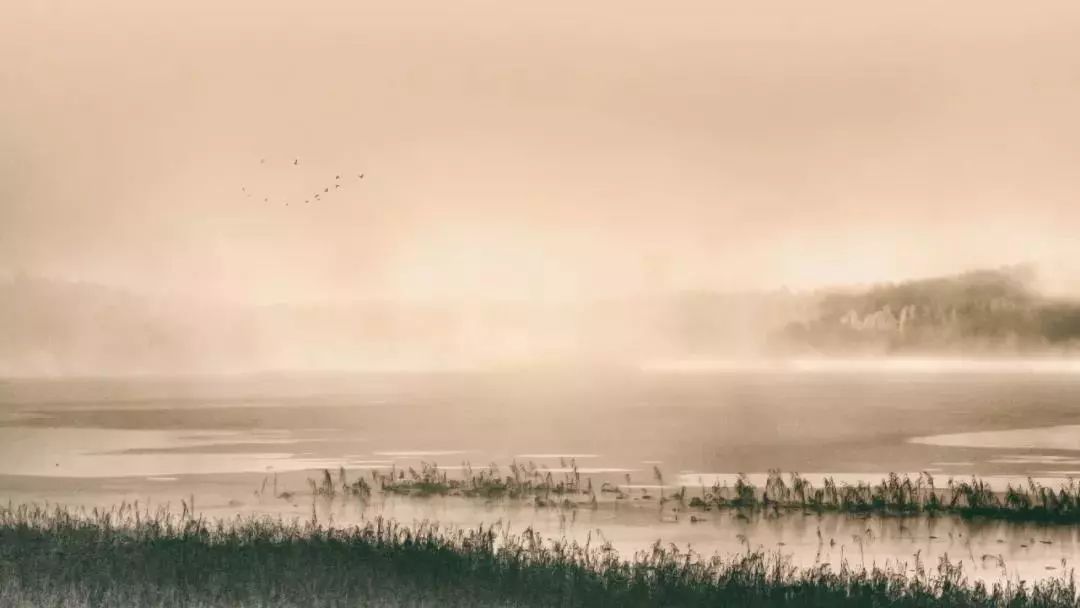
{"x": 129, "y": 556}
{"x": 899, "y": 495}
{"x": 519, "y": 481}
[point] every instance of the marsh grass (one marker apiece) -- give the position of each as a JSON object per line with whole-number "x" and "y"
{"x": 900, "y": 495}
{"x": 893, "y": 495}
{"x": 520, "y": 481}
{"x": 132, "y": 557}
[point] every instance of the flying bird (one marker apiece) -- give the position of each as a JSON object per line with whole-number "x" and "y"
{"x": 326, "y": 189}
{"x": 296, "y": 161}
{"x": 360, "y": 176}
{"x": 337, "y": 186}
{"x": 337, "y": 177}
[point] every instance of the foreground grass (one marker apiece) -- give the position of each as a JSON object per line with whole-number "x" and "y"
{"x": 125, "y": 557}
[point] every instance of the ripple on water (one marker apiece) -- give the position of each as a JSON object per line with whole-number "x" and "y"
{"x": 419, "y": 453}
{"x": 590, "y": 470}
{"x": 556, "y": 456}
{"x": 76, "y": 452}
{"x": 1036, "y": 459}
{"x": 689, "y": 478}
{"x": 1061, "y": 437}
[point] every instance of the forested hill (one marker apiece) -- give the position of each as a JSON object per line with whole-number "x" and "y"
{"x": 981, "y": 311}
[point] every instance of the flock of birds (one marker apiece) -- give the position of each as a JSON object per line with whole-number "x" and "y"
{"x": 327, "y": 189}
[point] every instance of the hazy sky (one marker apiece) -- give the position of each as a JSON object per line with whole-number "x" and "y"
{"x": 529, "y": 148}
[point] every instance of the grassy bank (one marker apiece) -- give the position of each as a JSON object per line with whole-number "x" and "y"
{"x": 128, "y": 557}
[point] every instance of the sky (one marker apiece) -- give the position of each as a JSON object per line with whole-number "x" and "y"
{"x": 535, "y": 150}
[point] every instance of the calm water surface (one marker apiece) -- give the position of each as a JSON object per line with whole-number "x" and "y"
{"x": 96, "y": 442}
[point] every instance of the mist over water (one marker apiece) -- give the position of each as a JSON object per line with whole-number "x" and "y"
{"x": 536, "y": 152}
{"x": 980, "y": 320}
{"x": 547, "y": 186}
{"x": 251, "y": 247}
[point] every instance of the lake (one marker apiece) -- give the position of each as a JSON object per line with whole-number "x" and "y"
{"x": 96, "y": 442}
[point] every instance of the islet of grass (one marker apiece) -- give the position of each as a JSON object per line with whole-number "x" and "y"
{"x": 895, "y": 494}
{"x": 899, "y": 495}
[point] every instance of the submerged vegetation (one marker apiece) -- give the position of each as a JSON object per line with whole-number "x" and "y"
{"x": 128, "y": 557}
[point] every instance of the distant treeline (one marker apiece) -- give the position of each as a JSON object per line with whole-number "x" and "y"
{"x": 54, "y": 327}
{"x": 985, "y": 310}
